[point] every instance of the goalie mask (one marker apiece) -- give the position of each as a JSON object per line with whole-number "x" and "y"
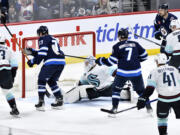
{"x": 89, "y": 63}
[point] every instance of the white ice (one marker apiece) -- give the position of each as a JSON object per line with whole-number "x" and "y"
{"x": 83, "y": 118}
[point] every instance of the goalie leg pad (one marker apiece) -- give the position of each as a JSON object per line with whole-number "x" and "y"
{"x": 76, "y": 93}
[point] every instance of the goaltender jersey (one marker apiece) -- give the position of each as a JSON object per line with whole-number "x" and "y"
{"x": 99, "y": 76}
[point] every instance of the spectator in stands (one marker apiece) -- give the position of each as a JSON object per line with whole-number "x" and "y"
{"x": 13, "y": 17}
{"x": 85, "y": 7}
{"x": 69, "y": 8}
{"x": 103, "y": 7}
{"x": 26, "y": 9}
{"x": 4, "y": 6}
{"x": 48, "y": 9}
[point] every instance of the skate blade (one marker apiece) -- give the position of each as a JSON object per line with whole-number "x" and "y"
{"x": 112, "y": 115}
{"x": 57, "y": 108}
{"x": 40, "y": 109}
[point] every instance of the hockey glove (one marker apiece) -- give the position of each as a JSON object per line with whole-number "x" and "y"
{"x": 30, "y": 63}
{"x": 99, "y": 61}
{"x": 141, "y": 103}
{"x": 158, "y": 35}
{"x": 30, "y": 51}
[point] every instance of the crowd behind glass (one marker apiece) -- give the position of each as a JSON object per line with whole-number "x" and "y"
{"x": 28, "y": 10}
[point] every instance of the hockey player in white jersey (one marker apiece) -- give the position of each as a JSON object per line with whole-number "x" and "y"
{"x": 95, "y": 82}
{"x": 166, "y": 80}
{"x": 8, "y": 68}
{"x": 173, "y": 44}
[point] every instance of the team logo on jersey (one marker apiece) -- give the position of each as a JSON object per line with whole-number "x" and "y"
{"x": 92, "y": 79}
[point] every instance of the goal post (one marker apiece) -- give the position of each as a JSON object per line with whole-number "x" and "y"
{"x": 80, "y": 44}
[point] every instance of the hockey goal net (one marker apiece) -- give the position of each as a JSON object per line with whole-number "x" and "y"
{"x": 81, "y": 44}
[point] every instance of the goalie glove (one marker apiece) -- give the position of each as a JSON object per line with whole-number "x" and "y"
{"x": 30, "y": 51}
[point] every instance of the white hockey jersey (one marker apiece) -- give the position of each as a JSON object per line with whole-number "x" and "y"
{"x": 7, "y": 58}
{"x": 173, "y": 43}
{"x": 99, "y": 76}
{"x": 166, "y": 80}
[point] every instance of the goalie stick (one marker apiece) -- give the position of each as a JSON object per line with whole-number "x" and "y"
{"x": 109, "y": 111}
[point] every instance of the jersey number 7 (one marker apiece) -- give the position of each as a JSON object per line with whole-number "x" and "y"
{"x": 129, "y": 53}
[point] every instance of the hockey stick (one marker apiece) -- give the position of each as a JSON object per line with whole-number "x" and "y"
{"x": 109, "y": 111}
{"x": 16, "y": 42}
{"x": 148, "y": 40}
{"x": 77, "y": 57}
{"x": 145, "y": 38}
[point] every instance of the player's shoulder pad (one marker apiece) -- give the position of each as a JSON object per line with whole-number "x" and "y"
{"x": 116, "y": 45}
{"x": 130, "y": 41}
{"x": 44, "y": 40}
{"x": 158, "y": 17}
{"x": 172, "y": 16}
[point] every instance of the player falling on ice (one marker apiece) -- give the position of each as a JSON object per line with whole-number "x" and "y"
{"x": 127, "y": 55}
{"x": 173, "y": 44}
{"x": 162, "y": 23}
{"x": 53, "y": 58}
{"x": 95, "y": 82}
{"x": 8, "y": 68}
{"x": 166, "y": 80}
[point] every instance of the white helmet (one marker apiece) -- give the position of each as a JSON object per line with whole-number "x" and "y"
{"x": 175, "y": 23}
{"x": 89, "y": 63}
{"x": 2, "y": 38}
{"x": 161, "y": 58}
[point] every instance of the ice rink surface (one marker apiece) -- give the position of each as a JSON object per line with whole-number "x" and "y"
{"x": 83, "y": 118}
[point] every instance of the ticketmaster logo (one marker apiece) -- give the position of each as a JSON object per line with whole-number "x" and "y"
{"x": 105, "y": 33}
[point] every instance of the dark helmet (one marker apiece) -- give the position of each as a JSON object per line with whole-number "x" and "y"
{"x": 123, "y": 33}
{"x": 163, "y": 6}
{"x": 43, "y": 30}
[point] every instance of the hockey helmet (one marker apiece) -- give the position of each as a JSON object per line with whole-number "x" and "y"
{"x": 175, "y": 23}
{"x": 123, "y": 33}
{"x": 89, "y": 63}
{"x": 161, "y": 58}
{"x": 43, "y": 30}
{"x": 2, "y": 38}
{"x": 163, "y": 6}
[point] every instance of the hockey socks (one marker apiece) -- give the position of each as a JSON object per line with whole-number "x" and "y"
{"x": 162, "y": 126}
